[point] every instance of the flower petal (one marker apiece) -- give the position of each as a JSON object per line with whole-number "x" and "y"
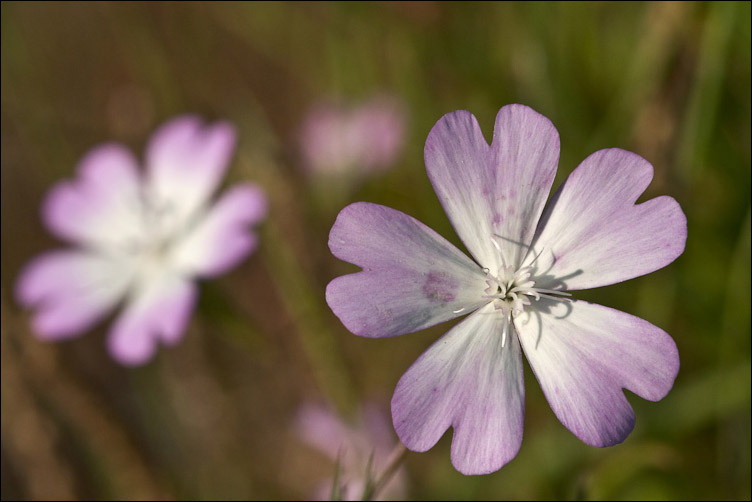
{"x": 158, "y": 310}
{"x": 327, "y": 141}
{"x": 101, "y": 207}
{"x": 379, "y": 127}
{"x": 71, "y": 290}
{"x": 468, "y": 381}
{"x": 593, "y": 234}
{"x": 320, "y": 428}
{"x": 493, "y": 194}
{"x": 185, "y": 163}
{"x": 583, "y": 354}
{"x": 412, "y": 277}
{"x": 223, "y": 237}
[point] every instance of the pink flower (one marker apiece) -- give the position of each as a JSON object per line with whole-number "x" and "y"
{"x": 365, "y": 139}
{"x": 142, "y": 238}
{"x": 516, "y": 288}
{"x": 352, "y": 446}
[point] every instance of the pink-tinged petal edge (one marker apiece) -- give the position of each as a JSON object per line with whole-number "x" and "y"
{"x": 493, "y": 195}
{"x": 224, "y": 237}
{"x": 158, "y": 311}
{"x": 468, "y": 381}
{"x": 593, "y": 234}
{"x": 185, "y": 162}
{"x": 70, "y": 291}
{"x": 412, "y": 277}
{"x": 584, "y": 354}
{"x": 101, "y": 206}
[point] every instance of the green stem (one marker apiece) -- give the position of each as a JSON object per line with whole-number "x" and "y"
{"x": 395, "y": 461}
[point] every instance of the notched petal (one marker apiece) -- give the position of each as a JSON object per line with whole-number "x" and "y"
{"x": 584, "y": 354}
{"x": 469, "y": 380}
{"x": 185, "y": 162}
{"x": 101, "y": 207}
{"x": 158, "y": 311}
{"x": 493, "y": 195}
{"x": 70, "y": 291}
{"x": 593, "y": 234}
{"x": 412, "y": 277}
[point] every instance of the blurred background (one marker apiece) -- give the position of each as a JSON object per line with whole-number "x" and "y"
{"x": 217, "y": 416}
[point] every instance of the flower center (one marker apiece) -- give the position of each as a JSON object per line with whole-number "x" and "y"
{"x": 512, "y": 290}
{"x": 151, "y": 244}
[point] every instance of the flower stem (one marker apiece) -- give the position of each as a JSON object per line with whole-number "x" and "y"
{"x": 395, "y": 461}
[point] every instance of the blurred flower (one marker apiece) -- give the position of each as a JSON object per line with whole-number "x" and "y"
{"x": 352, "y": 447}
{"x": 363, "y": 140}
{"x": 592, "y": 234}
{"x": 143, "y": 238}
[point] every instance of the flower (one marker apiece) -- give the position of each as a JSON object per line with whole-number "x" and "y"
{"x": 364, "y": 139}
{"x": 353, "y": 446}
{"x": 526, "y": 263}
{"x": 141, "y": 238}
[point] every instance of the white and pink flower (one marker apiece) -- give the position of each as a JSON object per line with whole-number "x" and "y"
{"x": 142, "y": 238}
{"x": 360, "y": 140}
{"x": 517, "y": 288}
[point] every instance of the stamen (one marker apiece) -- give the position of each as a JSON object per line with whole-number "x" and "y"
{"x": 528, "y": 291}
{"x": 535, "y": 259}
{"x": 458, "y": 310}
{"x": 522, "y": 275}
{"x": 504, "y": 329}
{"x": 503, "y": 289}
{"x": 550, "y": 297}
{"x": 553, "y": 291}
{"x": 498, "y": 248}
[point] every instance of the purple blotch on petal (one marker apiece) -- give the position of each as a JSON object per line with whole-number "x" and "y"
{"x": 439, "y": 287}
